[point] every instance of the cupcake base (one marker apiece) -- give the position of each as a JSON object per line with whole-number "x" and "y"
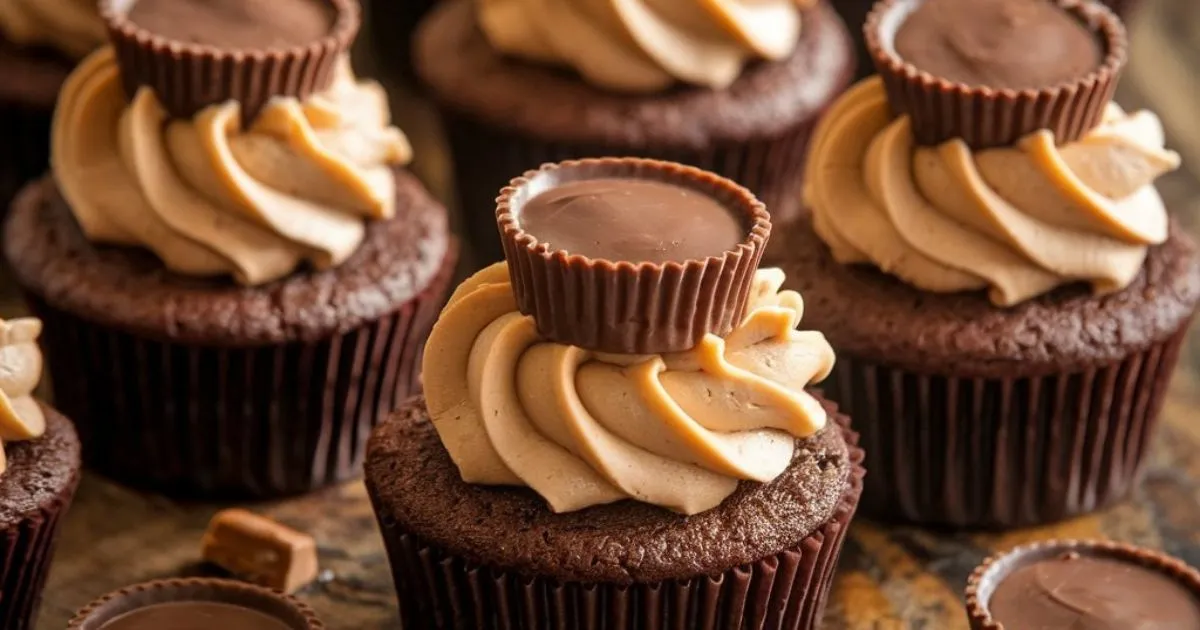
{"x": 195, "y": 387}
{"x": 35, "y": 492}
{"x": 614, "y": 567}
{"x": 979, "y": 417}
{"x": 504, "y": 117}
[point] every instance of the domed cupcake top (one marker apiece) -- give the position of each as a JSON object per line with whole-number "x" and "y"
{"x": 592, "y": 413}
{"x": 1090, "y": 585}
{"x": 21, "y": 416}
{"x": 641, "y": 46}
{"x": 71, "y": 26}
{"x": 225, "y": 161}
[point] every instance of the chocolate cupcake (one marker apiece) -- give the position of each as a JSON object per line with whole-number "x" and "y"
{"x": 989, "y": 257}
{"x": 39, "y": 470}
{"x": 40, "y": 42}
{"x": 854, "y": 12}
{"x": 733, "y": 90}
{"x": 656, "y": 462}
{"x": 392, "y": 24}
{"x": 1083, "y": 584}
{"x": 196, "y": 604}
{"x": 236, "y": 275}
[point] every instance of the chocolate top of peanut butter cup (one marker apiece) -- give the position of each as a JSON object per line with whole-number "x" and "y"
{"x": 195, "y": 53}
{"x": 992, "y": 71}
{"x": 196, "y": 604}
{"x": 630, "y": 255}
{"x": 1085, "y": 585}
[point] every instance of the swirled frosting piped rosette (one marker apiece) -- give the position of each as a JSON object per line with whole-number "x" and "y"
{"x": 596, "y": 421}
{"x": 21, "y": 417}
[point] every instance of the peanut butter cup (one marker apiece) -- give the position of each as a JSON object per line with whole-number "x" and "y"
{"x": 1087, "y": 585}
{"x": 992, "y": 72}
{"x": 630, "y": 255}
{"x": 195, "y": 604}
{"x": 194, "y": 54}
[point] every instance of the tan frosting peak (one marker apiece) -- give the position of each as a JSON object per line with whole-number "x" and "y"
{"x": 581, "y": 428}
{"x": 72, "y": 26}
{"x": 1018, "y": 221}
{"x": 21, "y": 417}
{"x": 645, "y": 45}
{"x": 211, "y": 198}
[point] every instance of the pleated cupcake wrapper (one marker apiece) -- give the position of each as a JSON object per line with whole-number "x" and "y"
{"x": 234, "y": 422}
{"x": 187, "y": 77}
{"x": 28, "y": 548}
{"x": 287, "y": 609}
{"x": 787, "y": 591}
{"x": 983, "y": 117}
{"x": 992, "y": 453}
{"x": 982, "y": 583}
{"x": 392, "y": 24}
{"x": 487, "y": 158}
{"x": 25, "y": 149}
{"x": 590, "y": 303}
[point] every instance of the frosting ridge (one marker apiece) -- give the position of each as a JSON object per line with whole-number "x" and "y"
{"x": 210, "y": 197}
{"x": 1017, "y": 220}
{"x": 583, "y": 428}
{"x": 21, "y": 416}
{"x": 71, "y": 26}
{"x": 645, "y": 45}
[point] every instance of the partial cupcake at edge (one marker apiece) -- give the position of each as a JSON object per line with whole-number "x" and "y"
{"x": 40, "y": 42}
{"x": 731, "y": 87}
{"x": 39, "y": 471}
{"x": 615, "y": 429}
{"x": 236, "y": 273}
{"x": 989, "y": 256}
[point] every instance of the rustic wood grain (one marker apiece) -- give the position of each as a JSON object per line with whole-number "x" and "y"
{"x": 890, "y": 578}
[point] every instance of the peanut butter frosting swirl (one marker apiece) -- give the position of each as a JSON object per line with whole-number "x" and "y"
{"x": 645, "y": 45}
{"x": 210, "y": 196}
{"x": 582, "y": 428}
{"x": 71, "y": 26}
{"x": 21, "y": 417}
{"x": 1017, "y": 221}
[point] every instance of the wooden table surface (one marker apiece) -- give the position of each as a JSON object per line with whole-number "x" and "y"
{"x": 889, "y": 578}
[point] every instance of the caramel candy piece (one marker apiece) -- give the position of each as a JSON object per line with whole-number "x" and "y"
{"x": 260, "y": 550}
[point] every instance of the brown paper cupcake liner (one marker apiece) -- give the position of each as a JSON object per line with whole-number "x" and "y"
{"x": 438, "y": 589}
{"x": 984, "y": 117}
{"x": 289, "y": 610}
{"x": 983, "y": 581}
{"x": 234, "y": 422}
{"x": 28, "y": 548}
{"x": 187, "y": 77}
{"x": 25, "y": 150}
{"x": 587, "y": 302}
{"x": 1002, "y": 453}
{"x": 486, "y": 159}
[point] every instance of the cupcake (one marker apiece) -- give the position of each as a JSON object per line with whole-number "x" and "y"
{"x": 39, "y": 470}
{"x": 854, "y": 12}
{"x": 392, "y": 24}
{"x": 989, "y": 257}
{"x": 40, "y": 42}
{"x": 196, "y": 604}
{"x": 236, "y": 274}
{"x": 731, "y": 88}
{"x": 1083, "y": 584}
{"x": 614, "y": 427}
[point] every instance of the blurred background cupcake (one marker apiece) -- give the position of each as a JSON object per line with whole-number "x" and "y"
{"x": 734, "y": 88}
{"x": 40, "y": 41}
{"x": 650, "y": 454}
{"x": 393, "y": 23}
{"x": 994, "y": 265}
{"x": 236, "y": 273}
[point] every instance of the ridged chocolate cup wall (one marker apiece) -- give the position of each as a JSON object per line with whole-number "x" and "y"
{"x": 984, "y": 117}
{"x": 187, "y": 77}
{"x": 983, "y": 581}
{"x": 587, "y": 302}
{"x": 287, "y": 610}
